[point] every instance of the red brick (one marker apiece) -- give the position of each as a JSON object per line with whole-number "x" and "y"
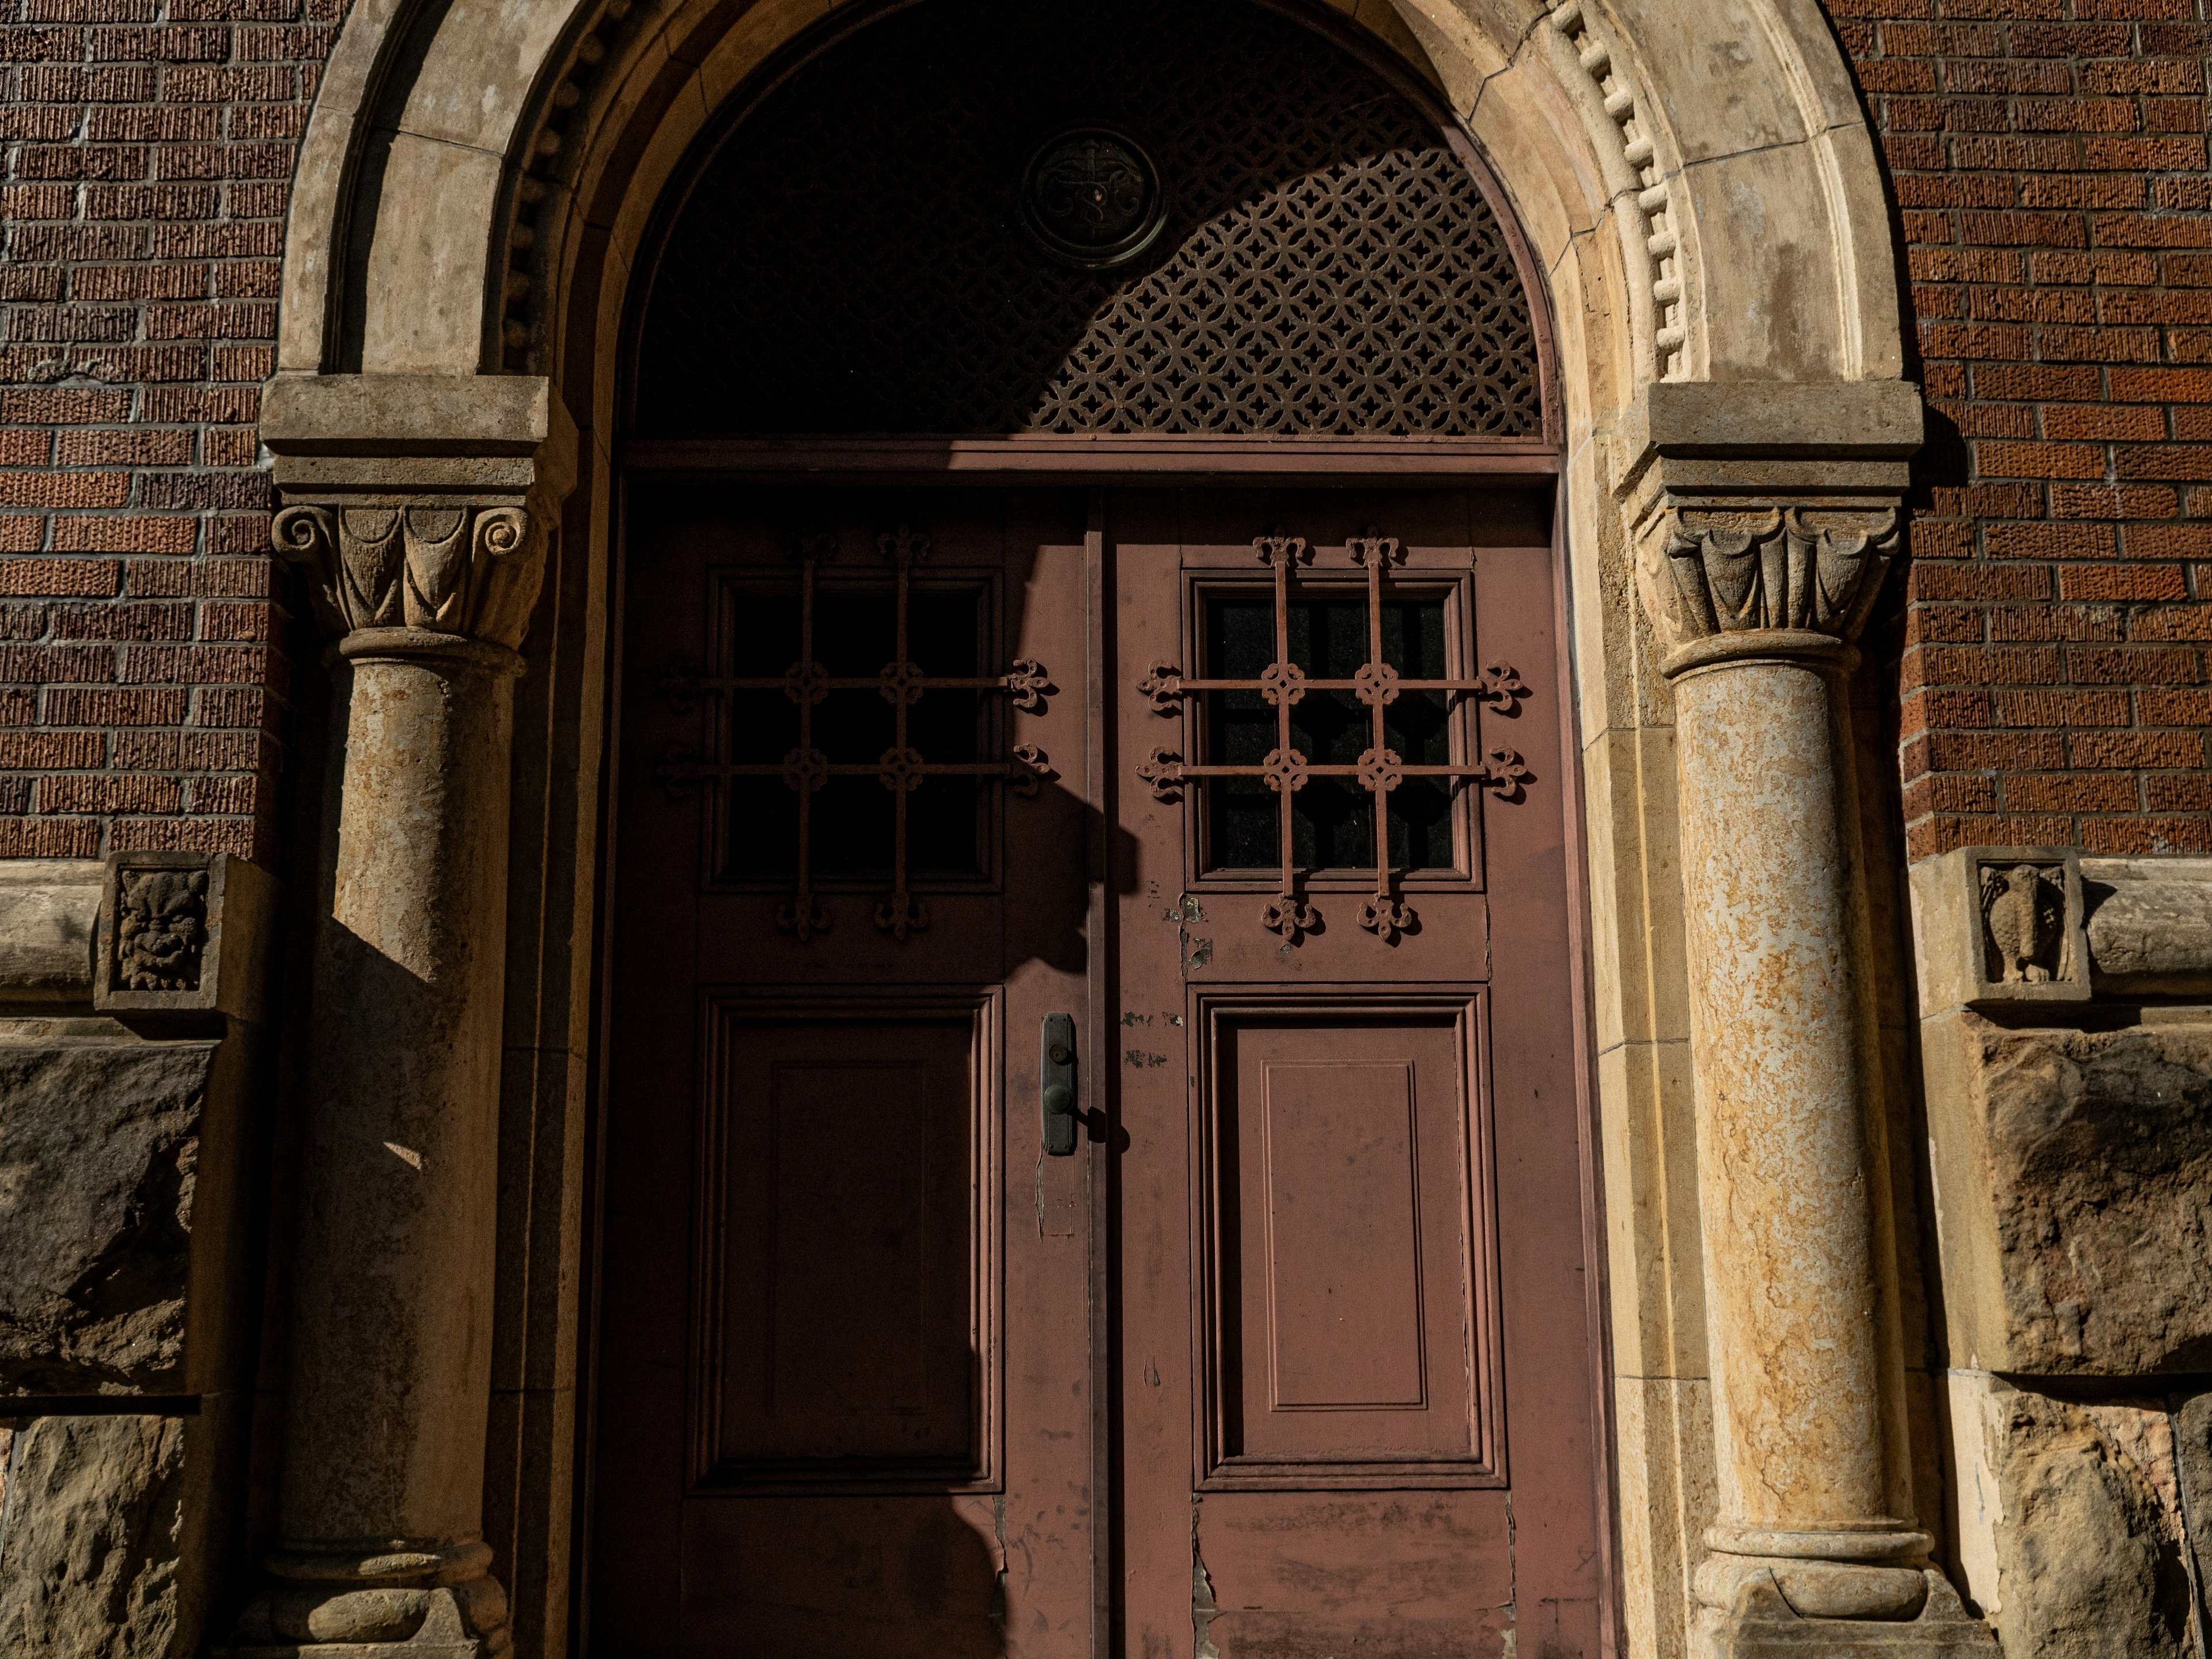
{"x": 121, "y": 535}
{"x": 235, "y": 835}
{"x": 2069, "y": 500}
{"x": 2071, "y": 793}
{"x": 133, "y": 446}
{"x": 2172, "y": 706}
{"x": 2167, "y": 541}
{"x": 2123, "y": 581}
{"x": 36, "y": 751}
{"x": 2186, "y": 792}
{"x": 2102, "y": 421}
{"x": 50, "y": 838}
{"x": 64, "y": 489}
{"x": 2031, "y": 460}
{"x": 2157, "y": 664}
{"x": 2126, "y": 749}
{"x": 2037, "y": 706}
{"x": 110, "y": 793}
{"x": 60, "y": 578}
{"x": 138, "y": 706}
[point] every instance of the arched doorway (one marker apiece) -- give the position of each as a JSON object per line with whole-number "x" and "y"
{"x": 1095, "y": 1151}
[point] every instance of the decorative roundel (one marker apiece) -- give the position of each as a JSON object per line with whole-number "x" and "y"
{"x": 1091, "y": 198}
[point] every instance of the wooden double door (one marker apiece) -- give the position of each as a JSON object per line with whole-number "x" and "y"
{"x": 1093, "y": 1145}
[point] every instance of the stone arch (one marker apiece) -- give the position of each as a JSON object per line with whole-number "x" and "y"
{"x": 1699, "y": 188}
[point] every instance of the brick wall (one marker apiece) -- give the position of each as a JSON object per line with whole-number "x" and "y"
{"x": 2048, "y": 161}
{"x": 149, "y": 148}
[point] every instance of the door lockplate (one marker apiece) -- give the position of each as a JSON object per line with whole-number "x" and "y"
{"x": 1056, "y": 1097}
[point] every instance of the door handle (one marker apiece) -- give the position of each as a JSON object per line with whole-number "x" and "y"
{"x": 1056, "y": 1084}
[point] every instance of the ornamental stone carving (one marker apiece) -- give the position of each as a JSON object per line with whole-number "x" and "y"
{"x": 1713, "y": 571}
{"x": 161, "y": 929}
{"x": 470, "y": 571}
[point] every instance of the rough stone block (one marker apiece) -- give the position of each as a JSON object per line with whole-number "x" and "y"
{"x": 2070, "y": 1170}
{"x": 95, "y": 1534}
{"x": 100, "y": 1144}
{"x": 2074, "y": 1531}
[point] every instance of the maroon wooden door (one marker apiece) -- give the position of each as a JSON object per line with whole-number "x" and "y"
{"x": 844, "y": 1401}
{"x": 1291, "y": 1355}
{"x": 1353, "y": 1358}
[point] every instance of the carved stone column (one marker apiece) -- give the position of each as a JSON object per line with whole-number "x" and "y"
{"x": 417, "y": 516}
{"x": 1757, "y": 572}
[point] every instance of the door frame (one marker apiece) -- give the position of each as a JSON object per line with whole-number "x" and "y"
{"x": 1099, "y": 463}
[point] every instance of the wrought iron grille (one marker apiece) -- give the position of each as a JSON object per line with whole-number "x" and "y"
{"x": 901, "y": 769}
{"x": 853, "y": 259}
{"x": 1380, "y": 770}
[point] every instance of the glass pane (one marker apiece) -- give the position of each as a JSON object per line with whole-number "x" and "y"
{"x": 855, "y": 635}
{"x": 1333, "y": 819}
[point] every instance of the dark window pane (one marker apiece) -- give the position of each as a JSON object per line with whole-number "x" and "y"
{"x": 1333, "y": 819}
{"x": 854, "y": 827}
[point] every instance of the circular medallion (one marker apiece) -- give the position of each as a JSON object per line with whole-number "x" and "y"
{"x": 1091, "y": 198}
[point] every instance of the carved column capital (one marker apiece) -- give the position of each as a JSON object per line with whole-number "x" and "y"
{"x": 420, "y": 508}
{"x": 1743, "y": 579}
{"x": 400, "y": 579}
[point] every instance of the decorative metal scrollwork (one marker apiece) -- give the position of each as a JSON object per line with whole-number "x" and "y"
{"x": 1379, "y": 770}
{"x": 901, "y": 769}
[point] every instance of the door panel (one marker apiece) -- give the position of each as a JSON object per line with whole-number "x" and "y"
{"x": 1349, "y": 1334}
{"x": 857, "y": 1179}
{"x": 845, "y": 1399}
{"x": 1350, "y": 1051}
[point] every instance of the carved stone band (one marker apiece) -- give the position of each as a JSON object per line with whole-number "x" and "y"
{"x": 469, "y": 571}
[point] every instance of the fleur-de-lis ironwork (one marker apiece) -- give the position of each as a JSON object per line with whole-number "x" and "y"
{"x": 901, "y": 769}
{"x": 1379, "y": 770}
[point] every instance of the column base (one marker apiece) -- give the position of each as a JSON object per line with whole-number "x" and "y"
{"x": 1771, "y": 1609}
{"x": 404, "y": 1604}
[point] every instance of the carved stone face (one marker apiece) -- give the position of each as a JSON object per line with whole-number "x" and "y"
{"x": 161, "y": 929}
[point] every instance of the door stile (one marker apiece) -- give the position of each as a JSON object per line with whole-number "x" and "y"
{"x": 1097, "y": 1141}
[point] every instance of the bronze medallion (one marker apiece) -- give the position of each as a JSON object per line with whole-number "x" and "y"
{"x": 1091, "y": 198}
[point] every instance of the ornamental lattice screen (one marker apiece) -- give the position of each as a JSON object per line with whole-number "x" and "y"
{"x": 862, "y": 256}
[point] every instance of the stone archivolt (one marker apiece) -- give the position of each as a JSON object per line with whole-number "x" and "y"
{"x": 469, "y": 571}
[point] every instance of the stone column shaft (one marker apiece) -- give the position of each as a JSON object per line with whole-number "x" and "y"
{"x": 1813, "y": 1548}
{"x": 418, "y": 516}
{"x": 391, "y": 1364}
{"x": 1781, "y": 1044}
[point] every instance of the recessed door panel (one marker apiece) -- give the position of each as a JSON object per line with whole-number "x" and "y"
{"x": 1346, "y": 1241}
{"x": 847, "y": 1323}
